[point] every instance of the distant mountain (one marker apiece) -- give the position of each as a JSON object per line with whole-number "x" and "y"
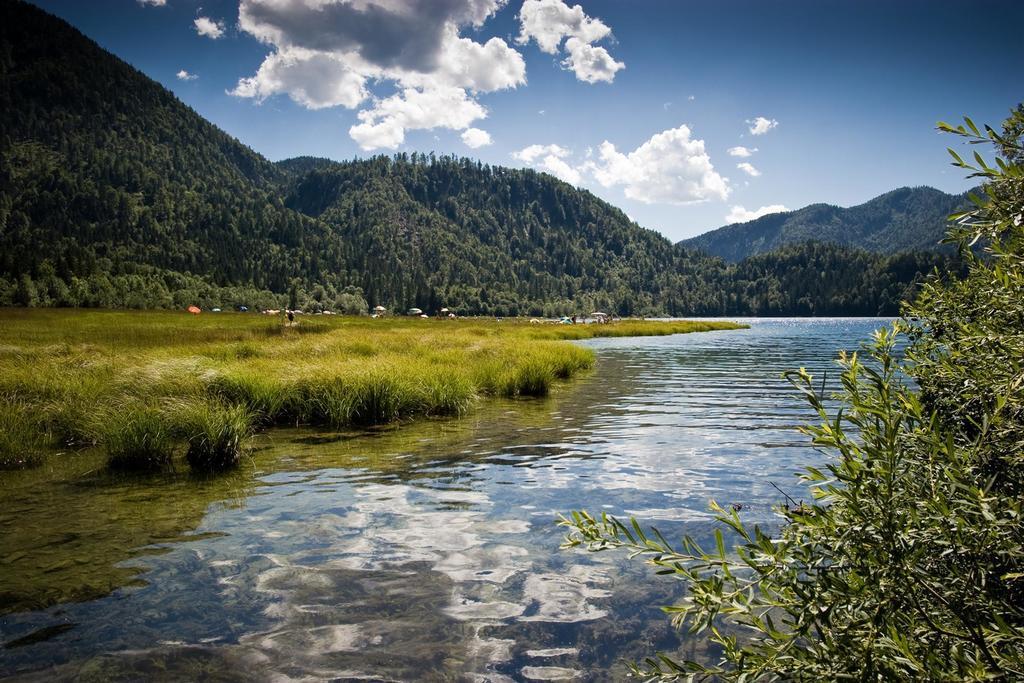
{"x": 906, "y": 219}
{"x": 114, "y": 193}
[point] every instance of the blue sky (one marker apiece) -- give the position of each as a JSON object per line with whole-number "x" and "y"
{"x": 643, "y": 102}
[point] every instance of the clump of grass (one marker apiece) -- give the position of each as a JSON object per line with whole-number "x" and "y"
{"x": 21, "y": 442}
{"x": 61, "y": 393}
{"x": 378, "y": 397}
{"x": 268, "y": 400}
{"x": 245, "y": 350}
{"x": 448, "y": 393}
{"x": 364, "y": 397}
{"x": 217, "y": 435}
{"x": 531, "y": 378}
{"x": 139, "y": 438}
{"x": 318, "y": 400}
{"x": 71, "y": 422}
{"x": 525, "y": 378}
{"x": 569, "y": 360}
{"x": 361, "y": 348}
{"x": 530, "y": 372}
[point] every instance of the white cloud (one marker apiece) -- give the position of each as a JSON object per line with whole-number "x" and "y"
{"x": 761, "y": 125}
{"x": 186, "y": 76}
{"x": 384, "y": 125}
{"x": 748, "y": 168}
{"x": 670, "y": 168}
{"x": 549, "y": 158}
{"x": 325, "y": 52}
{"x": 153, "y": 3}
{"x": 549, "y": 22}
{"x": 741, "y": 151}
{"x": 209, "y": 28}
{"x": 590, "y": 64}
{"x": 530, "y": 154}
{"x": 313, "y": 79}
{"x": 738, "y": 214}
{"x": 483, "y": 68}
{"x": 476, "y": 138}
{"x": 692, "y": 98}
{"x": 560, "y": 169}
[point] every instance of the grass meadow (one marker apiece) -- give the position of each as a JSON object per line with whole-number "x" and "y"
{"x": 150, "y": 387}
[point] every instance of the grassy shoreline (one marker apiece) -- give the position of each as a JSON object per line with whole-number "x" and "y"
{"x": 151, "y": 386}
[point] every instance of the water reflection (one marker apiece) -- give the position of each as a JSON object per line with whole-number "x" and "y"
{"x": 422, "y": 552}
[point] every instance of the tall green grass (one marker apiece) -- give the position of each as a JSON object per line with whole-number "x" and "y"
{"x": 149, "y": 387}
{"x": 138, "y": 437}
{"x": 217, "y": 435}
{"x": 21, "y": 436}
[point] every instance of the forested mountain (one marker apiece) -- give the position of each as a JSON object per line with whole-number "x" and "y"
{"x": 815, "y": 278}
{"x": 114, "y": 193}
{"x": 902, "y": 220}
{"x": 104, "y": 170}
{"x": 438, "y": 230}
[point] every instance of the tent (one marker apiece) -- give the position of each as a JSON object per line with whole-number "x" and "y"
{"x": 194, "y": 310}
{"x": 414, "y": 311}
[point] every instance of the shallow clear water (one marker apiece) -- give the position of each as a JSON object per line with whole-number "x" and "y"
{"x": 427, "y": 552}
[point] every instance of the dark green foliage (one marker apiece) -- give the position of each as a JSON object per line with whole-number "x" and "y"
{"x": 909, "y": 563}
{"x": 435, "y": 232}
{"x": 814, "y": 278}
{"x": 907, "y": 219}
{"x": 103, "y": 170}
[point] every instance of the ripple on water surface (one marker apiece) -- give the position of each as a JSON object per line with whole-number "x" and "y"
{"x": 423, "y": 552}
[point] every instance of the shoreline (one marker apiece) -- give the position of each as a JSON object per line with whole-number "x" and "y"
{"x": 150, "y": 386}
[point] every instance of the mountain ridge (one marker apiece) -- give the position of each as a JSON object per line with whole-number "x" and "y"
{"x": 903, "y": 219}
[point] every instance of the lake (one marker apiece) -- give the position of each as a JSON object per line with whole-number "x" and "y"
{"x": 425, "y": 552}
